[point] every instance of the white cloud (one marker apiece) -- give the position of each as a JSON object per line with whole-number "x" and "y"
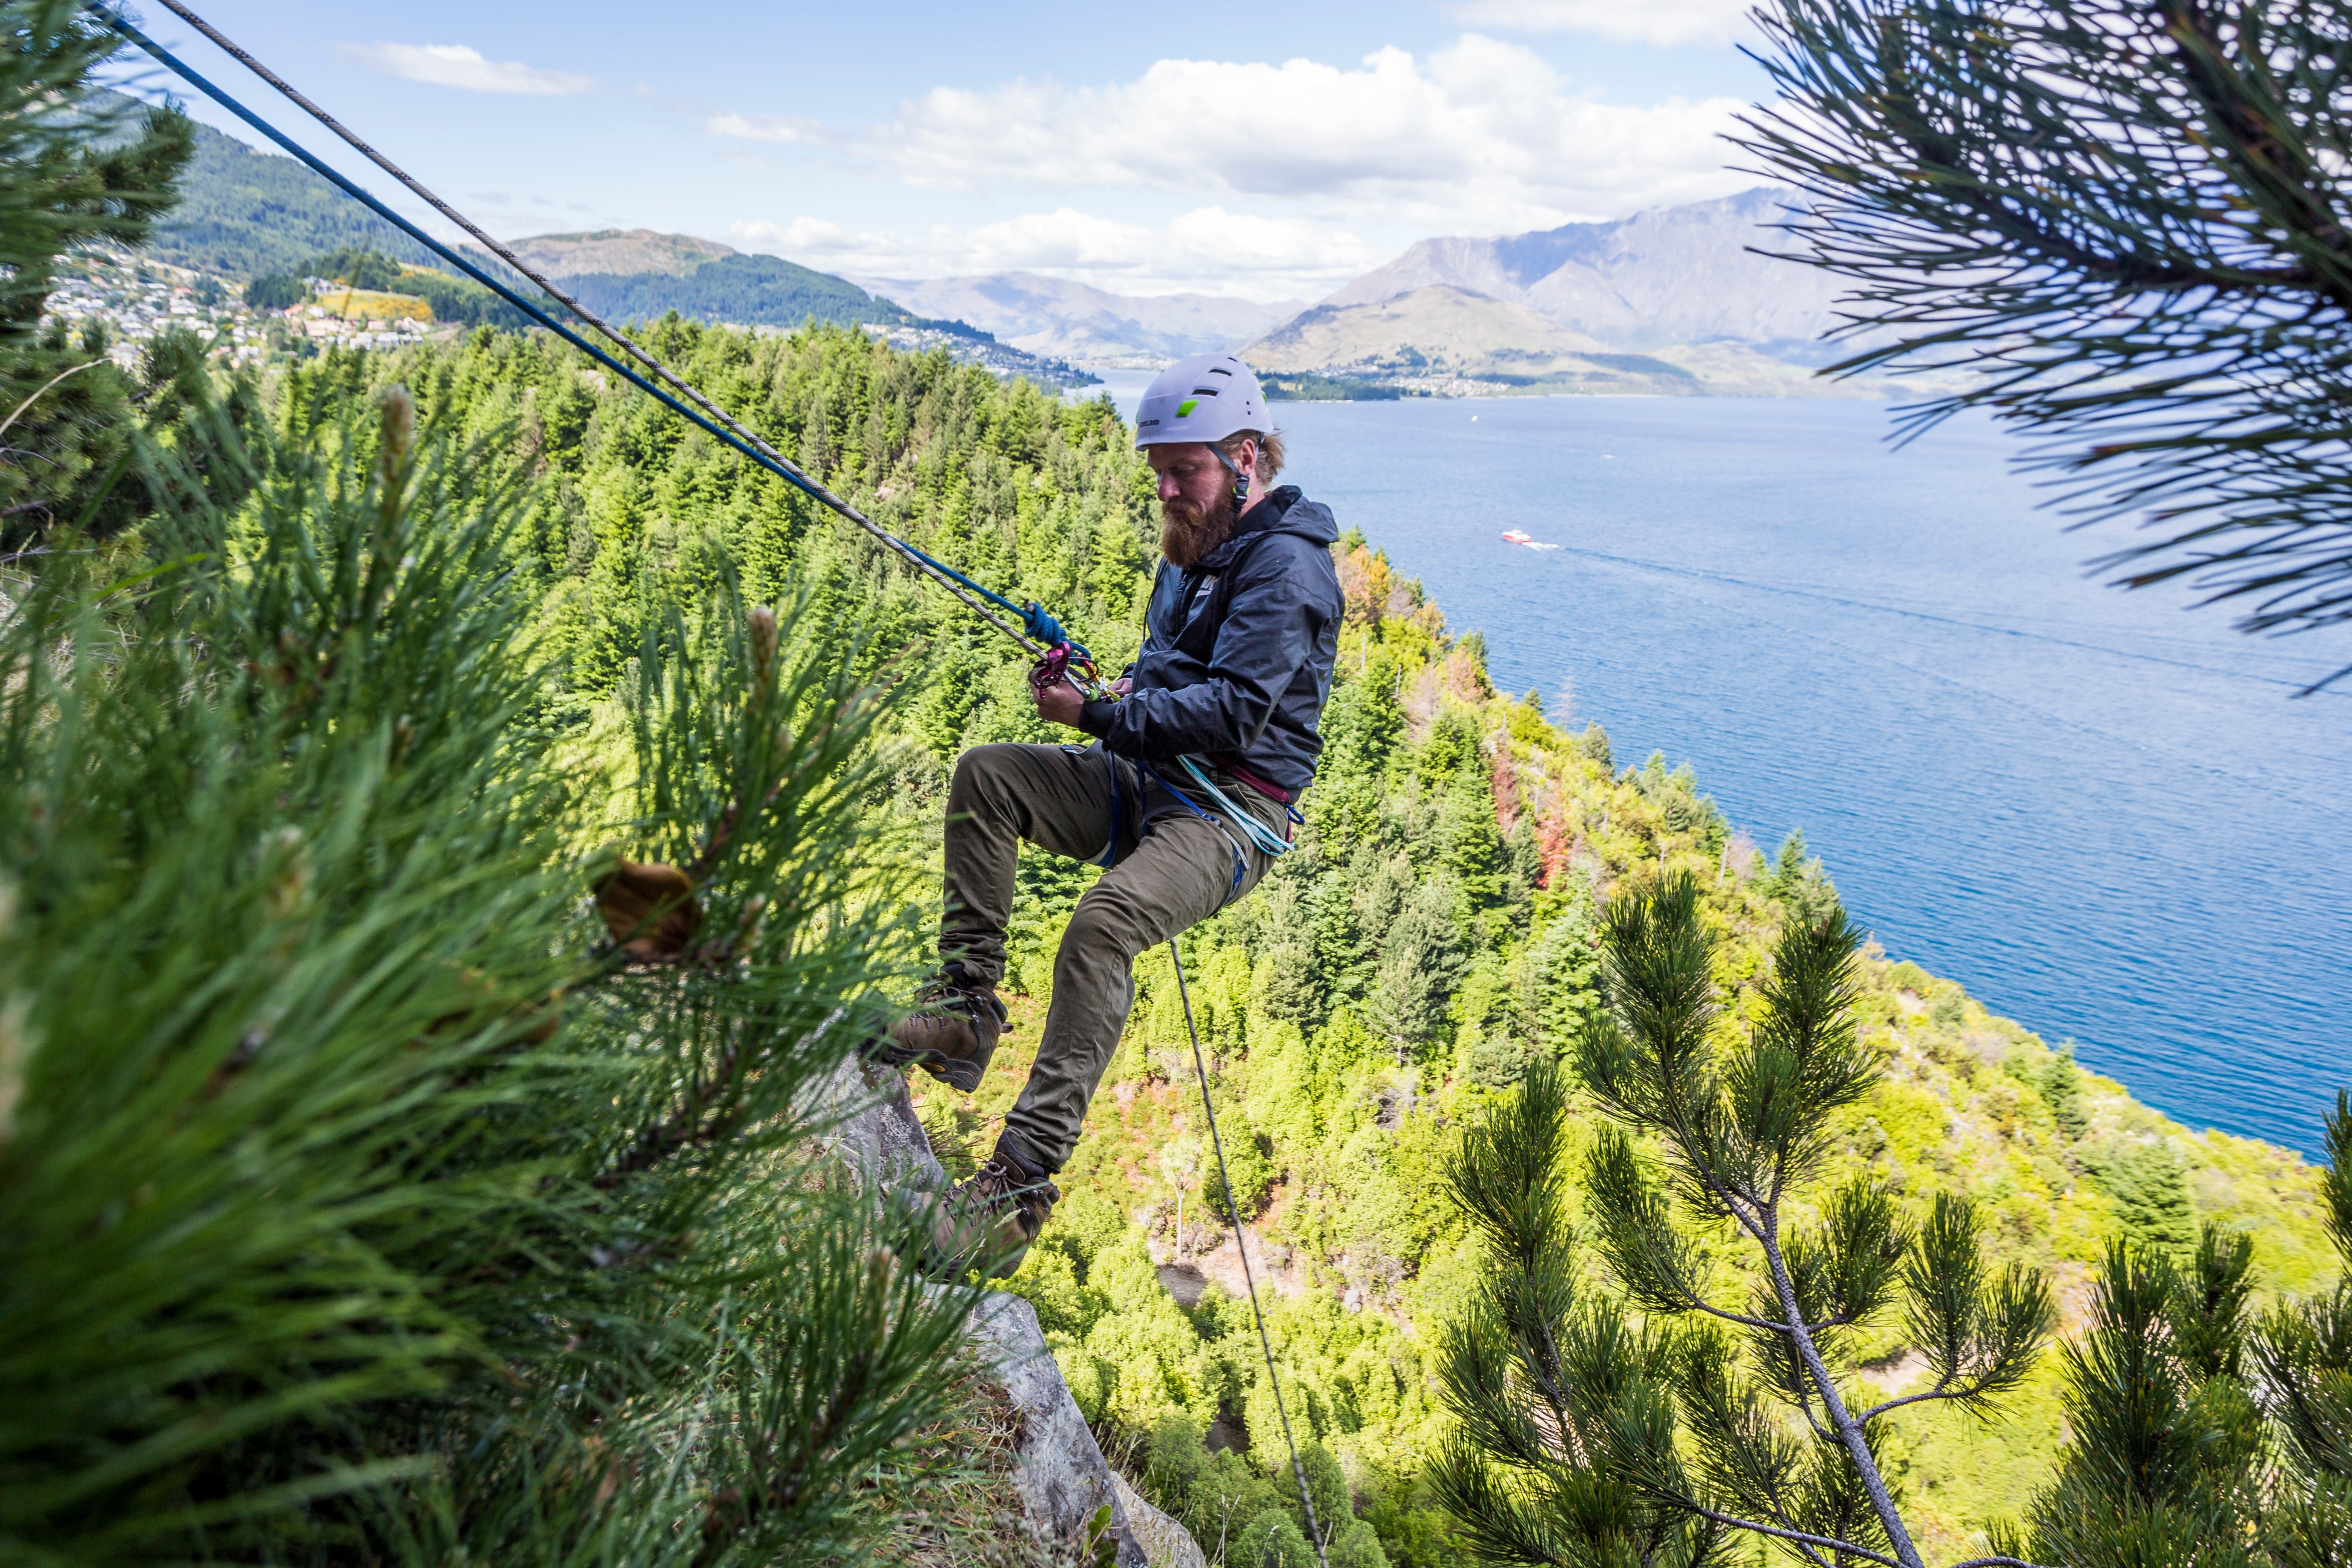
{"x": 1480, "y": 137}
{"x": 764, "y": 128}
{"x": 458, "y": 66}
{"x": 1259, "y": 256}
{"x": 1627, "y": 21}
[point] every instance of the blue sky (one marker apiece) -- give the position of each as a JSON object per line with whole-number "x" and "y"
{"x": 1270, "y": 151}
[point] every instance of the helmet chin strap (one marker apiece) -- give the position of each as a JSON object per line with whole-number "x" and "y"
{"x": 1241, "y": 480}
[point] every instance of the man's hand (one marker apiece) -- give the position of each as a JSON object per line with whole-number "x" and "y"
{"x": 1058, "y": 703}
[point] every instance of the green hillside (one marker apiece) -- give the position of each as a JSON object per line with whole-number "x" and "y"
{"x": 748, "y": 291}
{"x": 464, "y": 820}
{"x": 1434, "y": 931}
{"x": 245, "y": 213}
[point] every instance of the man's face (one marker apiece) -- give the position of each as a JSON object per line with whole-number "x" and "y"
{"x": 1196, "y": 500}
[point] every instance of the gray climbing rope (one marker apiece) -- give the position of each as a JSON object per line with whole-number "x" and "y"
{"x": 1241, "y": 1244}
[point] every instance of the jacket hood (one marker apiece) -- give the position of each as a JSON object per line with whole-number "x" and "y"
{"x": 1284, "y": 510}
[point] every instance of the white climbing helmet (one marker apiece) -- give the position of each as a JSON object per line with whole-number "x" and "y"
{"x": 1205, "y": 398}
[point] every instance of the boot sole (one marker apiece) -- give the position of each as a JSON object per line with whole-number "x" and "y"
{"x": 962, "y": 1075}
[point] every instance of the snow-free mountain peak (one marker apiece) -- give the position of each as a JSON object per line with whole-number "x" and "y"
{"x": 1689, "y": 274}
{"x": 1092, "y": 326}
{"x": 620, "y": 252}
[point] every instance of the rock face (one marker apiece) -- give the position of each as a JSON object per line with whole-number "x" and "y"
{"x": 1059, "y": 1470}
{"x": 1060, "y": 1474}
{"x": 875, "y": 1131}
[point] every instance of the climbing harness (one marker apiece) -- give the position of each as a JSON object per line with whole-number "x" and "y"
{"x": 1037, "y": 630}
{"x": 1241, "y": 1244}
{"x": 1265, "y": 838}
{"x": 1059, "y": 656}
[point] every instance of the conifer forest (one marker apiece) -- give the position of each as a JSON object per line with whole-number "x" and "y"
{"x": 457, "y": 818}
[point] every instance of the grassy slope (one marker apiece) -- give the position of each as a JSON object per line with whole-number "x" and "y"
{"x": 1367, "y": 1253}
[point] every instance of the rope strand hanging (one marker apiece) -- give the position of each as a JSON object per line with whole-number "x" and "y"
{"x": 1241, "y": 1244}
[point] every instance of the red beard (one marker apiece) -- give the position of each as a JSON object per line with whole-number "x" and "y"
{"x": 1187, "y": 531}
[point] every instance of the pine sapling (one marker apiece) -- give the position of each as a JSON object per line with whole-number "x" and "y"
{"x": 1724, "y": 1410}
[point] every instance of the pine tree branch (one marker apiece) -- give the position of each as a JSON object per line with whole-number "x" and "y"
{"x": 1938, "y": 1392}
{"x": 1849, "y": 1430}
{"x": 1804, "y": 1541}
{"x": 684, "y": 1129}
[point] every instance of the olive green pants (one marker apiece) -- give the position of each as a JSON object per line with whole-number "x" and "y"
{"x": 1171, "y": 872}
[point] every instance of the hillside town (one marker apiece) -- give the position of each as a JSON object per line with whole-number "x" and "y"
{"x": 136, "y": 298}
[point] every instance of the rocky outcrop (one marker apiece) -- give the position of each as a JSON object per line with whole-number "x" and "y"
{"x": 869, "y": 1120}
{"x": 1059, "y": 1471}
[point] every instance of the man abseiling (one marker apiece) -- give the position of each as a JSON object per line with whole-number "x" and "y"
{"x": 1239, "y": 638}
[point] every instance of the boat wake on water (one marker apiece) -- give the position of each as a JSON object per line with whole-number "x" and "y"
{"x": 1515, "y": 536}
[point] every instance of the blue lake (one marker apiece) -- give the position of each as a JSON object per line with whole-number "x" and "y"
{"x": 2101, "y": 812}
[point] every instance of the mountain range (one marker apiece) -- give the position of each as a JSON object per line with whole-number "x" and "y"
{"x": 1091, "y": 326}
{"x": 1676, "y": 300}
{"x": 1676, "y": 275}
{"x": 1673, "y": 300}
{"x": 1679, "y": 298}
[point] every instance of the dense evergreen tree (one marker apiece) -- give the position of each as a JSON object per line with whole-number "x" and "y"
{"x": 2302, "y": 1354}
{"x": 1799, "y": 882}
{"x": 2062, "y": 1086}
{"x": 2166, "y": 1437}
{"x": 77, "y": 172}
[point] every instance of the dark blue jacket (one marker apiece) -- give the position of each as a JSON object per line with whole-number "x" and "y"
{"x": 1238, "y": 651}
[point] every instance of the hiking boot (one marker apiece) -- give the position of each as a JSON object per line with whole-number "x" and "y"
{"x": 951, "y": 1033}
{"x": 987, "y": 1223}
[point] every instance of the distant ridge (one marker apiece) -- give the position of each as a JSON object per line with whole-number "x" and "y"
{"x": 619, "y": 252}
{"x": 1449, "y": 338}
{"x": 1092, "y": 326}
{"x": 748, "y": 291}
{"x": 1681, "y": 298}
{"x": 1686, "y": 274}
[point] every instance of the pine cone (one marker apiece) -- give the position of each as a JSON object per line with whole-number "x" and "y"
{"x": 649, "y": 910}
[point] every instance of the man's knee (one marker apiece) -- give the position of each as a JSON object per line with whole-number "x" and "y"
{"x": 980, "y": 774}
{"x": 1103, "y": 924}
